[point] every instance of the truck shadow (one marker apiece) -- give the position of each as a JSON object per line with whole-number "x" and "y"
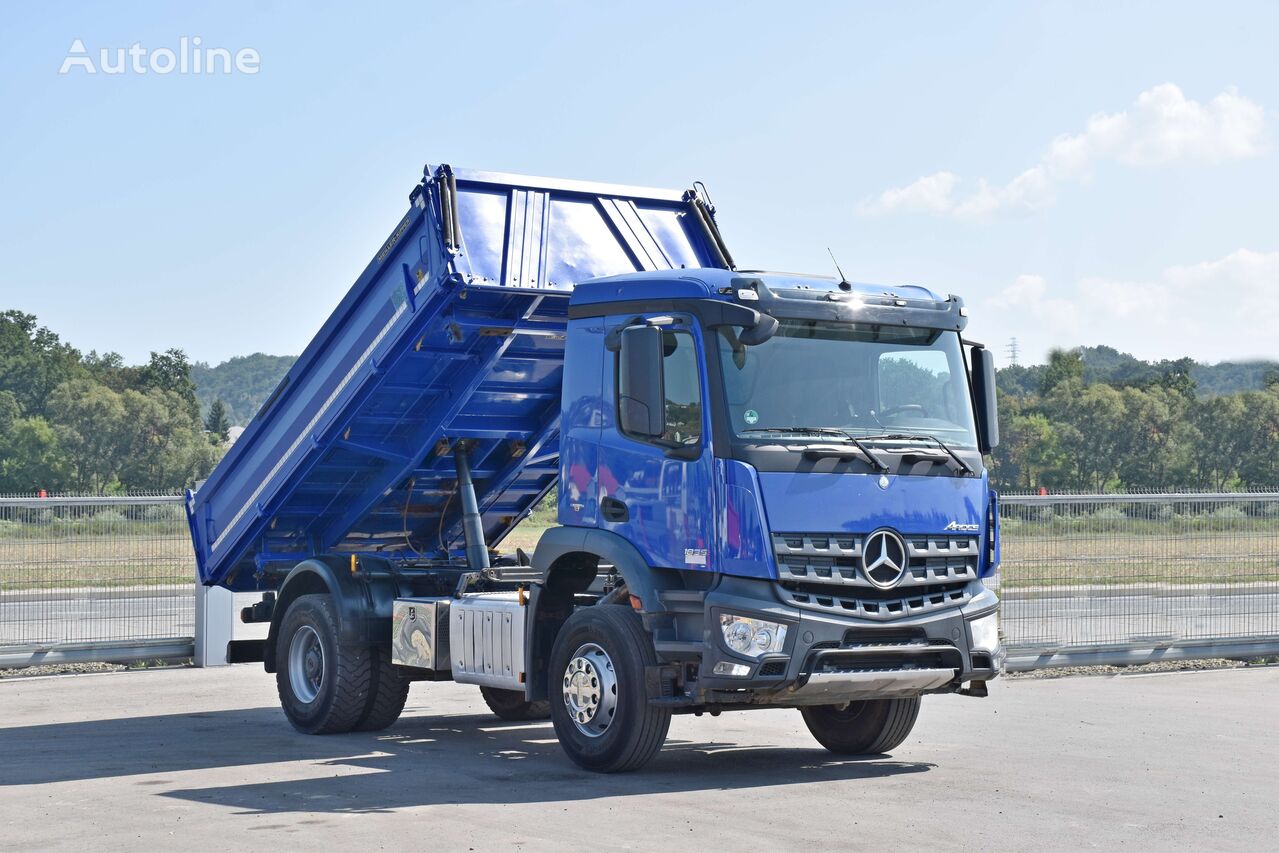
{"x": 422, "y": 760}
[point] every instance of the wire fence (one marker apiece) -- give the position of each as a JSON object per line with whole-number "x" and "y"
{"x": 94, "y": 578}
{"x": 1087, "y": 577}
{"x": 1084, "y": 579}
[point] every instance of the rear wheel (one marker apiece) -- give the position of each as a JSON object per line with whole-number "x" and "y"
{"x": 511, "y": 705}
{"x": 388, "y": 692}
{"x": 323, "y": 683}
{"x": 599, "y": 704}
{"x": 867, "y": 727}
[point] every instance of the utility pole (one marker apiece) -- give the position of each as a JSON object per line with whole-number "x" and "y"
{"x": 1013, "y": 351}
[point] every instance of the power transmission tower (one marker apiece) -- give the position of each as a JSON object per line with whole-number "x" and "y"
{"x": 1013, "y": 351}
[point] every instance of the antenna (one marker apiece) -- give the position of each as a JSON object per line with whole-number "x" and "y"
{"x": 843, "y": 282}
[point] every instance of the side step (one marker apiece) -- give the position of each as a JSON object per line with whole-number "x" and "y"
{"x": 682, "y": 600}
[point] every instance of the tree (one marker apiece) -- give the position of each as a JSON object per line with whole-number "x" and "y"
{"x": 30, "y": 459}
{"x": 90, "y": 422}
{"x": 1089, "y": 421}
{"x": 1259, "y": 460}
{"x": 33, "y": 361}
{"x": 1029, "y": 454}
{"x": 242, "y": 383}
{"x": 164, "y": 447}
{"x": 217, "y": 424}
{"x": 10, "y": 410}
{"x": 1150, "y": 445}
{"x": 1063, "y": 366}
{"x": 170, "y": 371}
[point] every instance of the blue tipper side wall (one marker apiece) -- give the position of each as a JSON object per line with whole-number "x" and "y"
{"x": 454, "y": 332}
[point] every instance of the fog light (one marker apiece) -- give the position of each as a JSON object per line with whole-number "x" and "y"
{"x": 985, "y": 632}
{"x": 736, "y": 670}
{"x": 752, "y": 637}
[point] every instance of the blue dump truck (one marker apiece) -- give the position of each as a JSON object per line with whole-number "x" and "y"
{"x": 771, "y": 489}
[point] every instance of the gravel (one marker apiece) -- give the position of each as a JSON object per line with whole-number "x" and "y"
{"x": 61, "y": 669}
{"x": 87, "y": 668}
{"x": 1160, "y": 666}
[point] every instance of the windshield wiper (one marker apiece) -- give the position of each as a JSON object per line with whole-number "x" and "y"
{"x": 875, "y": 462}
{"x": 914, "y": 436}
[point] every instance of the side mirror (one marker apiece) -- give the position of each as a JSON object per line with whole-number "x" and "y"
{"x": 984, "y": 399}
{"x": 760, "y": 332}
{"x": 641, "y": 395}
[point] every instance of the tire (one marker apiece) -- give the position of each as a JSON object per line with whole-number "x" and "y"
{"x": 388, "y": 692}
{"x": 334, "y": 695}
{"x": 511, "y": 705}
{"x": 609, "y": 644}
{"x": 868, "y": 727}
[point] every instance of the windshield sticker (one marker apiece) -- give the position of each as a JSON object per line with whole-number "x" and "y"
{"x": 751, "y": 417}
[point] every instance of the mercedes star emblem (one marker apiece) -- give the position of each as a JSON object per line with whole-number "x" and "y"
{"x": 884, "y": 558}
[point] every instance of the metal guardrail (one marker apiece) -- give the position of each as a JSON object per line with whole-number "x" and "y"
{"x": 1086, "y": 579}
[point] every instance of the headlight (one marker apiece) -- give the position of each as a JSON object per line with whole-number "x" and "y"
{"x": 985, "y": 632}
{"x": 752, "y": 637}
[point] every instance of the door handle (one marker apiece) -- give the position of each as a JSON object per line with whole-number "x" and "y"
{"x": 614, "y": 510}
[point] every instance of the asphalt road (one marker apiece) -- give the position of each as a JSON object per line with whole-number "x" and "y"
{"x": 1062, "y": 615}
{"x": 204, "y": 759}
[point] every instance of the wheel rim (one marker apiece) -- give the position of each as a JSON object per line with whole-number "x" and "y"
{"x": 306, "y": 664}
{"x": 590, "y": 690}
{"x": 848, "y": 714}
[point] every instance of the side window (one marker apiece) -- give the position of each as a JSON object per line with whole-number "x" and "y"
{"x": 681, "y": 377}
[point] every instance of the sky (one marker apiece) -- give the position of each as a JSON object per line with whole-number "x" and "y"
{"x": 1080, "y": 173}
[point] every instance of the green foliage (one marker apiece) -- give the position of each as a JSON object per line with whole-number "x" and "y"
{"x": 33, "y": 361}
{"x": 242, "y": 384}
{"x": 216, "y": 423}
{"x": 30, "y": 458}
{"x": 1112, "y": 367}
{"x": 171, "y": 372}
{"x": 1063, "y": 366}
{"x": 10, "y": 410}
{"x": 1158, "y": 435}
{"x": 94, "y": 424}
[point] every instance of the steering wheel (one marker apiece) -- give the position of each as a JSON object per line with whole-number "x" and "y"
{"x": 909, "y": 407}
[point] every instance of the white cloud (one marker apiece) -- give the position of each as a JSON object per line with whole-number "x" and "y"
{"x": 1161, "y": 128}
{"x": 931, "y": 193}
{"x": 1213, "y": 311}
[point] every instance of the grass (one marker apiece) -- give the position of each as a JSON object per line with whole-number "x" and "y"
{"x": 1053, "y": 553}
{"x": 1052, "y": 558}
{"x": 93, "y": 561}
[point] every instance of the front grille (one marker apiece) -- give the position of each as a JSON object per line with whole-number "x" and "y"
{"x": 824, "y": 572}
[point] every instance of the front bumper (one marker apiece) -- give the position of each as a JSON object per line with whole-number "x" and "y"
{"x": 831, "y": 659}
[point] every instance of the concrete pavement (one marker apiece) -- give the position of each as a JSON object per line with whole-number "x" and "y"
{"x": 204, "y": 759}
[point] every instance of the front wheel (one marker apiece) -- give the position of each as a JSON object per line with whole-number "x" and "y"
{"x": 599, "y": 704}
{"x": 868, "y": 727}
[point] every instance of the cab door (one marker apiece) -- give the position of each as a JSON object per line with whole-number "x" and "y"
{"x": 658, "y": 492}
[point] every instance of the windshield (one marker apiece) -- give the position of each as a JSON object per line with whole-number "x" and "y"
{"x": 862, "y": 380}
